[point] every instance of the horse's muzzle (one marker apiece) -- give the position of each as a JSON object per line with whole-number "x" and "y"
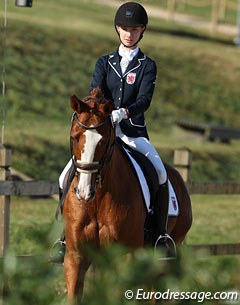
{"x": 86, "y": 196}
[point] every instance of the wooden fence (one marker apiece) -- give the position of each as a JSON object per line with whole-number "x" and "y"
{"x": 218, "y": 9}
{"x": 50, "y": 187}
{"x": 182, "y": 162}
{"x": 211, "y": 132}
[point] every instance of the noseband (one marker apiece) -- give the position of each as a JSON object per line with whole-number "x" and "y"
{"x": 96, "y": 166}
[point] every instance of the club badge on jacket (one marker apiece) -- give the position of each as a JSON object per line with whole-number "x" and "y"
{"x": 131, "y": 77}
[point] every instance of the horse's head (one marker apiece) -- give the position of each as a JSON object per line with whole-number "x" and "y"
{"x": 92, "y": 137}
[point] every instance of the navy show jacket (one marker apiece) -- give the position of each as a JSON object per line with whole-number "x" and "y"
{"x": 132, "y": 90}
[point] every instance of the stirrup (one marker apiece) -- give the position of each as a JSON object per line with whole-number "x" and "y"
{"x": 163, "y": 239}
{"x": 58, "y": 256}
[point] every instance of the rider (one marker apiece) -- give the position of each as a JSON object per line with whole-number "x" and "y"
{"x": 127, "y": 76}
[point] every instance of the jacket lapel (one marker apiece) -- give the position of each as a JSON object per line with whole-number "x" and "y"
{"x": 135, "y": 63}
{"x": 114, "y": 62}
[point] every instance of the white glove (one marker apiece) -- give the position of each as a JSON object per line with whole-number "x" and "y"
{"x": 118, "y": 115}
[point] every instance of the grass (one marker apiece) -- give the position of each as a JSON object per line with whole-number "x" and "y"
{"x": 33, "y": 230}
{"x": 202, "y": 10}
{"x": 215, "y": 220}
{"x": 32, "y": 225}
{"x": 51, "y": 52}
{"x": 210, "y": 161}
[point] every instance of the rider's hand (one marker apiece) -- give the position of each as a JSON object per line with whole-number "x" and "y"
{"x": 118, "y": 115}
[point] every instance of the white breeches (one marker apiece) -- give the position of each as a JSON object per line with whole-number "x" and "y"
{"x": 64, "y": 172}
{"x": 140, "y": 144}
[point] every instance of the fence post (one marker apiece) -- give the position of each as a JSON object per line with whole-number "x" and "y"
{"x": 182, "y": 162}
{"x": 215, "y": 14}
{"x": 5, "y": 155}
{"x": 171, "y": 9}
{"x": 222, "y": 10}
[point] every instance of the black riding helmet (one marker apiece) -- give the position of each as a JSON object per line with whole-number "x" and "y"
{"x": 131, "y": 14}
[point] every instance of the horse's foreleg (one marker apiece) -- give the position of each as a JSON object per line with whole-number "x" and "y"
{"x": 75, "y": 267}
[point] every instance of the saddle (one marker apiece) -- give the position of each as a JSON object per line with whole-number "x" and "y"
{"x": 146, "y": 166}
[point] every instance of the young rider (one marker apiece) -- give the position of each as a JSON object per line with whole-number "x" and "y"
{"x": 127, "y": 76}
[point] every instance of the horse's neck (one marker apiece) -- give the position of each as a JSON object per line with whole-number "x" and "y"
{"x": 117, "y": 166}
{"x": 116, "y": 159}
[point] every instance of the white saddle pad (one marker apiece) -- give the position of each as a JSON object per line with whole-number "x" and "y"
{"x": 173, "y": 209}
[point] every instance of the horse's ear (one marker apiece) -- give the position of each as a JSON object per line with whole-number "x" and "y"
{"x": 108, "y": 107}
{"x": 77, "y": 104}
{"x": 74, "y": 102}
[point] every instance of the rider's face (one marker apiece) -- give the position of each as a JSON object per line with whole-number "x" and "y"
{"x": 129, "y": 36}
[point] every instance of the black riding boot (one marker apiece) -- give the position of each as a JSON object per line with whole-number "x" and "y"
{"x": 59, "y": 246}
{"x": 160, "y": 235}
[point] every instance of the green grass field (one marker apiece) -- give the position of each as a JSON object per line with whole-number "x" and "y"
{"x": 215, "y": 220}
{"x": 51, "y": 52}
{"x": 33, "y": 230}
{"x": 202, "y": 9}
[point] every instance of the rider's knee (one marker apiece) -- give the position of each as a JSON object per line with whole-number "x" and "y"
{"x": 162, "y": 176}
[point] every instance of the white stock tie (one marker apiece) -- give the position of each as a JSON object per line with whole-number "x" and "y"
{"x": 124, "y": 64}
{"x": 127, "y": 57}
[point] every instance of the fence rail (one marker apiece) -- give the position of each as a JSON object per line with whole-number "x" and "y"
{"x": 37, "y": 188}
{"x": 217, "y": 249}
{"x": 50, "y": 187}
{"x": 29, "y": 188}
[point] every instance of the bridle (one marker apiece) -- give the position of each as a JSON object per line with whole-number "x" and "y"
{"x": 75, "y": 117}
{"x": 87, "y": 167}
{"x": 96, "y": 166}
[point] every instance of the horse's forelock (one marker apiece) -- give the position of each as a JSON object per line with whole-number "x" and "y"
{"x": 97, "y": 93}
{"x": 95, "y": 98}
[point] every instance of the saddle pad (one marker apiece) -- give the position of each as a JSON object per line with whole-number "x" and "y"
{"x": 173, "y": 209}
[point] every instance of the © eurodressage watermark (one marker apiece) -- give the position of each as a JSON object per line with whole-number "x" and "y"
{"x": 232, "y": 297}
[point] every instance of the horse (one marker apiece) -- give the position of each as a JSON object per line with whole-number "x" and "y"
{"x": 100, "y": 208}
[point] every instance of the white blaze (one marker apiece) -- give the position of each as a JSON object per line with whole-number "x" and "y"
{"x": 92, "y": 137}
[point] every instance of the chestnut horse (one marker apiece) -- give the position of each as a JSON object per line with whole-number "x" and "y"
{"x": 104, "y": 203}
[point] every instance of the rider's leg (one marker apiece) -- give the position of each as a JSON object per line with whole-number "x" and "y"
{"x": 161, "y": 202}
{"x": 59, "y": 246}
